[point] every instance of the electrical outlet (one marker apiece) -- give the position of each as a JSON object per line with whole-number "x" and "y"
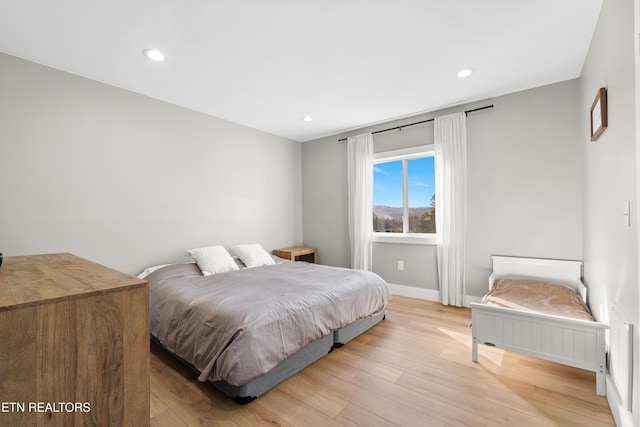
{"x": 400, "y": 265}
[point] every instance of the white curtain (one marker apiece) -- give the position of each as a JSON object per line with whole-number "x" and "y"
{"x": 450, "y": 144}
{"x": 360, "y": 181}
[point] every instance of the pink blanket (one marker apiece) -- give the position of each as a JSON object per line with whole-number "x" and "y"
{"x": 537, "y": 296}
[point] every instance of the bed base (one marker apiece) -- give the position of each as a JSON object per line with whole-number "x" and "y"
{"x": 295, "y": 363}
{"x": 292, "y": 365}
{"x": 349, "y": 332}
{"x": 572, "y": 342}
{"x": 576, "y": 343}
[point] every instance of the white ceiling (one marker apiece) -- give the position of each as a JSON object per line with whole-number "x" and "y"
{"x": 348, "y": 63}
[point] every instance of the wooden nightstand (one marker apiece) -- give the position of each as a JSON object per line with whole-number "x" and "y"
{"x": 298, "y": 253}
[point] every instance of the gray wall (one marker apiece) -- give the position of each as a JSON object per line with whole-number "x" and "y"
{"x": 610, "y": 176}
{"x": 130, "y": 181}
{"x": 524, "y": 172}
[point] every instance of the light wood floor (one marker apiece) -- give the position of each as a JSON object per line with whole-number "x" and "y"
{"x": 412, "y": 369}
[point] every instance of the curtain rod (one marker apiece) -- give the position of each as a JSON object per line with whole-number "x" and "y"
{"x": 423, "y": 121}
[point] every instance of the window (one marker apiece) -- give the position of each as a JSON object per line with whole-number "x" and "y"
{"x": 404, "y": 194}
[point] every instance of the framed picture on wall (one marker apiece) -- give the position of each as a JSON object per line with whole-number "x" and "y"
{"x": 599, "y": 114}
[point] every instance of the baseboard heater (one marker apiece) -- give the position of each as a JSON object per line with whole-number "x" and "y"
{"x": 621, "y": 355}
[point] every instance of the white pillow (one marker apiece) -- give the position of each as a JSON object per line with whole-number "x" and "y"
{"x": 213, "y": 260}
{"x": 253, "y": 255}
{"x": 147, "y": 271}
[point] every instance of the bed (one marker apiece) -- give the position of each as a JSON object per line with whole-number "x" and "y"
{"x": 247, "y": 330}
{"x": 576, "y": 341}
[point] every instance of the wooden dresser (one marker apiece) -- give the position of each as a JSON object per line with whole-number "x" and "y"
{"x": 74, "y": 343}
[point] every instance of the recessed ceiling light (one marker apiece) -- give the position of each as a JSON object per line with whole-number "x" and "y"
{"x": 307, "y": 118}
{"x": 465, "y": 73}
{"x": 154, "y": 54}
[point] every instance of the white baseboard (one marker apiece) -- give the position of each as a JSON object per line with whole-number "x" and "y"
{"x": 425, "y": 294}
{"x": 412, "y": 292}
{"x": 470, "y": 298}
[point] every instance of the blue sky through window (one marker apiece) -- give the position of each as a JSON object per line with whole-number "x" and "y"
{"x": 387, "y": 183}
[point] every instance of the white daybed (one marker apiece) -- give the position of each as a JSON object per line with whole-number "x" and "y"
{"x": 573, "y": 342}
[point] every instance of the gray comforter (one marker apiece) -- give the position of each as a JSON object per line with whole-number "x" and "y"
{"x": 239, "y": 325}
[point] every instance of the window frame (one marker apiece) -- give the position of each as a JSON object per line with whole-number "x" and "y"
{"x": 405, "y": 155}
